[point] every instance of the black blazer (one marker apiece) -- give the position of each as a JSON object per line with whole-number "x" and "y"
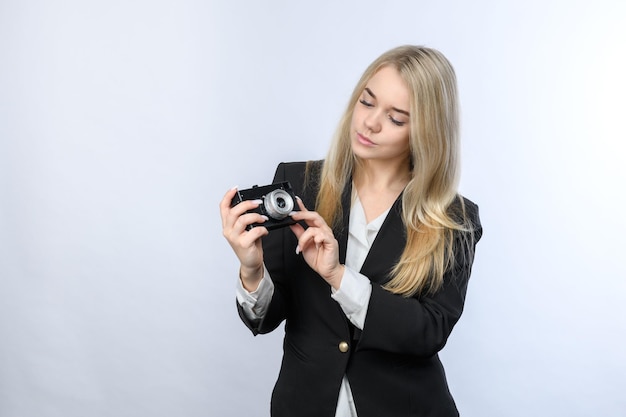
{"x": 392, "y": 364}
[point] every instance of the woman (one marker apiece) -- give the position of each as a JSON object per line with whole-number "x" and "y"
{"x": 374, "y": 282}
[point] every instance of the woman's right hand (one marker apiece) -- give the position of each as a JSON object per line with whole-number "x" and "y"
{"x": 245, "y": 243}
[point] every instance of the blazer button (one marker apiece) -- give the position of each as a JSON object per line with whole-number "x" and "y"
{"x": 343, "y": 347}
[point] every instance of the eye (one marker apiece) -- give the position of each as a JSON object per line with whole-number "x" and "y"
{"x": 396, "y": 122}
{"x": 365, "y": 103}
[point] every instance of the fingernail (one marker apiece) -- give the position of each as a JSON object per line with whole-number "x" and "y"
{"x": 257, "y": 201}
{"x": 235, "y": 187}
{"x": 298, "y": 197}
{"x": 292, "y": 213}
{"x": 298, "y": 250}
{"x": 265, "y": 218}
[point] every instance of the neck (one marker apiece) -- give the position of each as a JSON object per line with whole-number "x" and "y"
{"x": 377, "y": 175}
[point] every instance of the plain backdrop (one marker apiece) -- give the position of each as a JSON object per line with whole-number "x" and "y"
{"x": 123, "y": 123}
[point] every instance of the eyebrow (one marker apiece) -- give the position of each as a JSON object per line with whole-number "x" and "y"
{"x": 393, "y": 108}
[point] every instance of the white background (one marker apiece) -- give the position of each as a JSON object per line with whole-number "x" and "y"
{"x": 123, "y": 123}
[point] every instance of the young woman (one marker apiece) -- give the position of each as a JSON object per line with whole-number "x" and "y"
{"x": 372, "y": 278}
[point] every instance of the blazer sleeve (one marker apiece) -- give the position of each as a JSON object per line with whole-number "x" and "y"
{"x": 421, "y": 325}
{"x": 277, "y": 246}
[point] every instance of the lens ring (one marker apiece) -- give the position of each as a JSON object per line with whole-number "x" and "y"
{"x": 278, "y": 204}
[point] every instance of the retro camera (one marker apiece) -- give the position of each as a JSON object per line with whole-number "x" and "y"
{"x": 278, "y": 201}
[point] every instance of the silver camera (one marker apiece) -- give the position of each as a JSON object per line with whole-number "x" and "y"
{"x": 278, "y": 200}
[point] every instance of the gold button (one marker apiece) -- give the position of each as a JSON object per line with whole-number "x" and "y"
{"x": 343, "y": 347}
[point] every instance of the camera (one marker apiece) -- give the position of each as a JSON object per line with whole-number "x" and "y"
{"x": 278, "y": 201}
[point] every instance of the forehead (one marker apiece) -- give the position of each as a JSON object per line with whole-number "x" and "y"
{"x": 388, "y": 86}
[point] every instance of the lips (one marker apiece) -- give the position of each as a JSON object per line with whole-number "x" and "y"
{"x": 364, "y": 140}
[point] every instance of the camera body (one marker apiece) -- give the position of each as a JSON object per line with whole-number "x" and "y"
{"x": 278, "y": 200}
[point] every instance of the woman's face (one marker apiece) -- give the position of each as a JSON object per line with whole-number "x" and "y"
{"x": 380, "y": 121}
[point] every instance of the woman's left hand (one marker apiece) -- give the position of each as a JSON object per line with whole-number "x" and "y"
{"x": 318, "y": 245}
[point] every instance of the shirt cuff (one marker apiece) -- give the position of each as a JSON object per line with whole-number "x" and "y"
{"x": 353, "y": 296}
{"x": 255, "y": 303}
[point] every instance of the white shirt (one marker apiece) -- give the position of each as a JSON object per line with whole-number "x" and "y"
{"x": 353, "y": 295}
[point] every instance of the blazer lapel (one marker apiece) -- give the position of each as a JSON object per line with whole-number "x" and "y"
{"x": 387, "y": 247}
{"x": 342, "y": 234}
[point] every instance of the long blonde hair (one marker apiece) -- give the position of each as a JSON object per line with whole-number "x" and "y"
{"x": 434, "y": 147}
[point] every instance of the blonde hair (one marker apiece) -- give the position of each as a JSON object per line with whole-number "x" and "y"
{"x": 434, "y": 147}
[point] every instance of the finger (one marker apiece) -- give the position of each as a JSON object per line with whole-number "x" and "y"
{"x": 297, "y": 230}
{"x": 228, "y": 197}
{"x": 312, "y": 218}
{"x": 249, "y": 239}
{"x": 301, "y": 204}
{"x": 242, "y": 222}
{"x": 244, "y": 206}
{"x": 319, "y": 240}
{"x": 314, "y": 236}
{"x": 242, "y": 238}
{"x": 225, "y": 203}
{"x": 306, "y": 236}
{"x": 231, "y": 214}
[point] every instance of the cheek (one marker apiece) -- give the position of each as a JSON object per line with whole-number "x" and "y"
{"x": 403, "y": 140}
{"x": 403, "y": 144}
{"x": 354, "y": 125}
{"x": 354, "y": 119}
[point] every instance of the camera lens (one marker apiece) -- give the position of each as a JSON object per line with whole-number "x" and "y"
{"x": 278, "y": 204}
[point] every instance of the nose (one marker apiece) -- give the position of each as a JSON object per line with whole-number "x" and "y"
{"x": 372, "y": 121}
